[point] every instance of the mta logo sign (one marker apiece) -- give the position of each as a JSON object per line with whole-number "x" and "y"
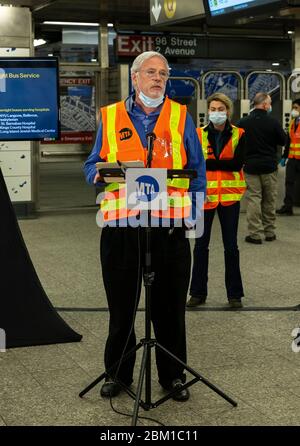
{"x": 147, "y": 188}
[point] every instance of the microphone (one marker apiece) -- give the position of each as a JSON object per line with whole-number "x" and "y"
{"x": 151, "y": 137}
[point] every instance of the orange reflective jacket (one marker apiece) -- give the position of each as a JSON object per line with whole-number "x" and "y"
{"x": 121, "y": 142}
{"x": 294, "y": 151}
{"x": 222, "y": 187}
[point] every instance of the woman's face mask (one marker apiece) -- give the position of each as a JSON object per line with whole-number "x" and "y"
{"x": 217, "y": 118}
{"x": 295, "y": 113}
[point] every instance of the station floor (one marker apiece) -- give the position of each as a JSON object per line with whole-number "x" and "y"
{"x": 247, "y": 353}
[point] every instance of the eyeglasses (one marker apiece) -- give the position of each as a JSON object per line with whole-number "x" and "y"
{"x": 151, "y": 73}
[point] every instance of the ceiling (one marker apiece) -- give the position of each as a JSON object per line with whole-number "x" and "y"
{"x": 134, "y": 15}
{"x": 121, "y": 11}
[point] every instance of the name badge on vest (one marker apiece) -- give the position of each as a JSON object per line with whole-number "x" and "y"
{"x": 146, "y": 189}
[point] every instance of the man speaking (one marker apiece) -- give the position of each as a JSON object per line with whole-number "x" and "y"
{"x": 122, "y": 136}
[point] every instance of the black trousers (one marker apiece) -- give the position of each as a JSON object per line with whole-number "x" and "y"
{"x": 229, "y": 218}
{"x": 122, "y": 276}
{"x": 292, "y": 173}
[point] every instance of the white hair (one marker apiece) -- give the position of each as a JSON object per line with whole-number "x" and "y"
{"x": 141, "y": 58}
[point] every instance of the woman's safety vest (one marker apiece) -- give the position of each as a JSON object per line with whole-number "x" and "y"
{"x": 294, "y": 151}
{"x": 222, "y": 187}
{"x": 121, "y": 142}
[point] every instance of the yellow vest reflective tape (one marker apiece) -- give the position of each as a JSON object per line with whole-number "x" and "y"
{"x": 212, "y": 198}
{"x": 112, "y": 187}
{"x": 204, "y": 143}
{"x": 120, "y": 203}
{"x": 113, "y": 205}
{"x": 180, "y": 183}
{"x": 212, "y": 184}
{"x": 235, "y": 137}
{"x": 175, "y": 135}
{"x": 111, "y": 133}
{"x": 233, "y": 183}
{"x": 176, "y": 201}
{"x": 231, "y": 197}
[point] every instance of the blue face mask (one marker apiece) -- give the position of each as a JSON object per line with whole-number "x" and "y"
{"x": 149, "y": 102}
{"x": 269, "y": 109}
{"x": 217, "y": 118}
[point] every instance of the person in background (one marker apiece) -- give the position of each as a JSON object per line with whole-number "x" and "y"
{"x": 122, "y": 136}
{"x": 223, "y": 148}
{"x": 292, "y": 153}
{"x": 263, "y": 134}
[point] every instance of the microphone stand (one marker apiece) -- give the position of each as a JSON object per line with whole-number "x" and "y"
{"x": 151, "y": 137}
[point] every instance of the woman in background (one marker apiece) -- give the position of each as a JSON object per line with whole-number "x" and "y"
{"x": 223, "y": 148}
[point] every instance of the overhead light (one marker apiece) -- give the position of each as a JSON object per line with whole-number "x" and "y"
{"x": 290, "y": 31}
{"x": 275, "y": 64}
{"x": 38, "y": 42}
{"x": 50, "y": 54}
{"x": 110, "y": 25}
{"x": 70, "y": 23}
{"x": 93, "y": 60}
{"x": 268, "y": 69}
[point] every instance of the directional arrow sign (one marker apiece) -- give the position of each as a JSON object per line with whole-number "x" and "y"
{"x": 156, "y": 8}
{"x": 171, "y": 11}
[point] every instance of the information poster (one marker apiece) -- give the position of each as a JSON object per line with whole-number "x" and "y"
{"x": 78, "y": 115}
{"x": 29, "y": 108}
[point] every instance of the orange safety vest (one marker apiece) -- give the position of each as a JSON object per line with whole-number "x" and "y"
{"x": 222, "y": 187}
{"x": 121, "y": 142}
{"x": 294, "y": 151}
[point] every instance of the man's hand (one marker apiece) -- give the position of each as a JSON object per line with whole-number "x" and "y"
{"x": 97, "y": 178}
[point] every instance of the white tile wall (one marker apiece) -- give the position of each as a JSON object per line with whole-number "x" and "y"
{"x": 19, "y": 188}
{"x": 15, "y": 163}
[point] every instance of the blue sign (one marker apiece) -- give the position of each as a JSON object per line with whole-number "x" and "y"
{"x": 146, "y": 189}
{"x": 29, "y": 103}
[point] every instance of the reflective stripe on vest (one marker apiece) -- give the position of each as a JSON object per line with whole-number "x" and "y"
{"x": 111, "y": 133}
{"x": 178, "y": 207}
{"x": 230, "y": 197}
{"x": 176, "y": 144}
{"x": 204, "y": 142}
{"x": 232, "y": 183}
{"x": 212, "y": 184}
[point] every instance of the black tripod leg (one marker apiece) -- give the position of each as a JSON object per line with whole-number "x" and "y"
{"x": 103, "y": 375}
{"x": 93, "y": 384}
{"x": 197, "y": 375}
{"x": 218, "y": 391}
{"x": 140, "y": 386}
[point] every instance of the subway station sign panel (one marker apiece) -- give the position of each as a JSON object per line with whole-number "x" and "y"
{"x": 172, "y": 11}
{"x": 169, "y": 46}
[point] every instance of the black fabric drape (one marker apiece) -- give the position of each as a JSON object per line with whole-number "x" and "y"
{"x": 26, "y": 314}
